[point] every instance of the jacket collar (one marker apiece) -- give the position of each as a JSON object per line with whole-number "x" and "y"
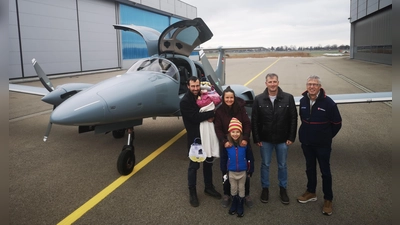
{"x": 191, "y": 95}
{"x": 278, "y": 96}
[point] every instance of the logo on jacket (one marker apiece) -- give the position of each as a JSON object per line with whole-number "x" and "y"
{"x": 321, "y": 109}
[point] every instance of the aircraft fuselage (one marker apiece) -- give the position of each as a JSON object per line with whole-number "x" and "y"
{"x": 121, "y": 98}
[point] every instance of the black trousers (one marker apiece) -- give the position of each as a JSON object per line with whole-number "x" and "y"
{"x": 207, "y": 174}
{"x": 313, "y": 154}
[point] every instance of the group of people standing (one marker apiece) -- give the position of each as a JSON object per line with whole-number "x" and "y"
{"x": 273, "y": 125}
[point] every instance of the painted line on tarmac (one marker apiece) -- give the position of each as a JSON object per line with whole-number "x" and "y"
{"x": 29, "y": 116}
{"x": 78, "y": 213}
{"x": 251, "y": 80}
{"x": 118, "y": 182}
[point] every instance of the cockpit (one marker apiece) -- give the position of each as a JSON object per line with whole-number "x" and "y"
{"x": 155, "y": 64}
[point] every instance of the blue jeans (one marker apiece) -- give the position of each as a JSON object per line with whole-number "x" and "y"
{"x": 313, "y": 154}
{"x": 281, "y": 156}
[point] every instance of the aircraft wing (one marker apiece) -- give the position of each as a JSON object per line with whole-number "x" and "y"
{"x": 356, "y": 98}
{"x": 28, "y": 89}
{"x": 231, "y": 48}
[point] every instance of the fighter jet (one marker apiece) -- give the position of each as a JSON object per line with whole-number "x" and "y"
{"x": 151, "y": 88}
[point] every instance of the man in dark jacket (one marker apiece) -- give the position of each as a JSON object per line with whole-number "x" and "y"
{"x": 320, "y": 122}
{"x": 192, "y": 119}
{"x": 274, "y": 126}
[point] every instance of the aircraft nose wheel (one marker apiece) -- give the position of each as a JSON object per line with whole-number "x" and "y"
{"x": 126, "y": 160}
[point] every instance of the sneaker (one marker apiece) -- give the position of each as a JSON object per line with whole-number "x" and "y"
{"x": 212, "y": 192}
{"x": 264, "y": 195}
{"x": 225, "y": 201}
{"x": 327, "y": 209}
{"x": 284, "y": 196}
{"x": 307, "y": 197}
{"x": 248, "y": 201}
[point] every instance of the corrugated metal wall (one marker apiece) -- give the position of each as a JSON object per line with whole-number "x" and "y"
{"x": 67, "y": 36}
{"x": 97, "y": 38}
{"x": 63, "y": 36}
{"x": 371, "y": 30}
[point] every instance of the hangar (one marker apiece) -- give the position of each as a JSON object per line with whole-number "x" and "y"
{"x": 75, "y": 36}
{"x": 371, "y": 30}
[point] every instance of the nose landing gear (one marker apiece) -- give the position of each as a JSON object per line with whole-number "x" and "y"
{"x": 126, "y": 159}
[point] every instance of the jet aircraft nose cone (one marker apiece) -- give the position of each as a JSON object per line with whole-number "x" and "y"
{"x": 80, "y": 110}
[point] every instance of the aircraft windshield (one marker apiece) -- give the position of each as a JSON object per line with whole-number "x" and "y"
{"x": 160, "y": 65}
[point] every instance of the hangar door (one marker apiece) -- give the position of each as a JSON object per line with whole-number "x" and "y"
{"x": 373, "y": 38}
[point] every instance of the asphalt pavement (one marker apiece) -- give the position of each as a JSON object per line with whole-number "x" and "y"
{"x": 73, "y": 178}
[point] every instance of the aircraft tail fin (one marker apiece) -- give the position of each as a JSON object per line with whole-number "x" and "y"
{"x": 42, "y": 76}
{"x": 221, "y": 61}
{"x": 209, "y": 71}
{"x": 220, "y": 71}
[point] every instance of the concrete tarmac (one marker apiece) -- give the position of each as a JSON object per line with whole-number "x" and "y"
{"x": 59, "y": 181}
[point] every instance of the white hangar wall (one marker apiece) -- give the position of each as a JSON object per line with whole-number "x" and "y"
{"x": 72, "y": 36}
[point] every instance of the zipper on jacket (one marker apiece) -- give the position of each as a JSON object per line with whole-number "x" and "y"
{"x": 237, "y": 159}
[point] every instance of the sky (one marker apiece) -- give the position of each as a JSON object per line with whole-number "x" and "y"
{"x": 266, "y": 23}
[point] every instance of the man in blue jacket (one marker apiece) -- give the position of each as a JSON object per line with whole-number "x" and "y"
{"x": 191, "y": 119}
{"x": 320, "y": 122}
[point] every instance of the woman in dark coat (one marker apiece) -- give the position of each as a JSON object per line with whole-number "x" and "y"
{"x": 232, "y": 106}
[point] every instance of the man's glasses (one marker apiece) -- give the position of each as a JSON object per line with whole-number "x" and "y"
{"x": 312, "y": 85}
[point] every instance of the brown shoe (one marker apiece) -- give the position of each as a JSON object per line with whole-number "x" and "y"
{"x": 307, "y": 197}
{"x": 327, "y": 209}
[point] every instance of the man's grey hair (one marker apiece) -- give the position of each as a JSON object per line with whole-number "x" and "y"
{"x": 314, "y": 77}
{"x": 271, "y": 75}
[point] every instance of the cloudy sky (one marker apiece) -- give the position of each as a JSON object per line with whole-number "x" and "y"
{"x": 266, "y": 23}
